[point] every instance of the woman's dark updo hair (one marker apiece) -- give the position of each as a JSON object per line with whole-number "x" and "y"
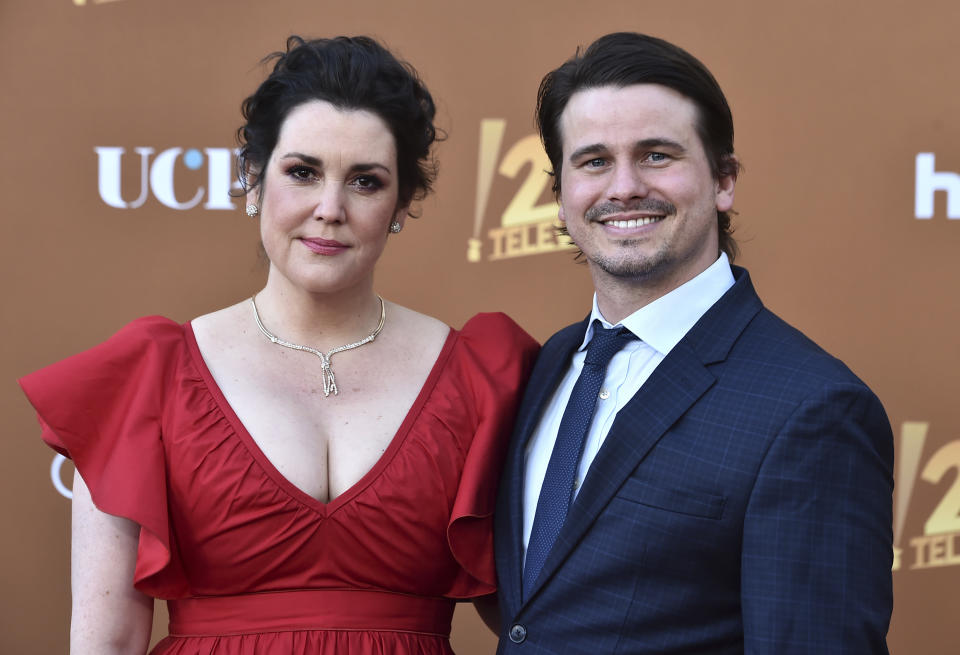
{"x": 349, "y": 73}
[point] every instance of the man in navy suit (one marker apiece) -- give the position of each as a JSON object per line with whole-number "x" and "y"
{"x": 689, "y": 474}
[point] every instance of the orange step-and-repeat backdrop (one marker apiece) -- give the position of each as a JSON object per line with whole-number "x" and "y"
{"x": 118, "y": 117}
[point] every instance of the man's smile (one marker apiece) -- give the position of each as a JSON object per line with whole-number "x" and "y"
{"x": 633, "y": 222}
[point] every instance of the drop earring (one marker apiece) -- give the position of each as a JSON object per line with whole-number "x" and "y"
{"x": 252, "y": 210}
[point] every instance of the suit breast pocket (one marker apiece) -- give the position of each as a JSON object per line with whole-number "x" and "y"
{"x": 682, "y": 501}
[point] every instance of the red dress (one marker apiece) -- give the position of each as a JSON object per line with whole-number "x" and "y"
{"x": 250, "y": 564}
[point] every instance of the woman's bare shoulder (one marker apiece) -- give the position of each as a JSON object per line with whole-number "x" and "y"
{"x": 409, "y": 318}
{"x": 415, "y": 331}
{"x": 223, "y": 328}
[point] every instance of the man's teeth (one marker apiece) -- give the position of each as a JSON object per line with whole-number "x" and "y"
{"x": 634, "y": 222}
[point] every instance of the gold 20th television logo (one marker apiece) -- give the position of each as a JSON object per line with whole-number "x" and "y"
{"x": 939, "y": 545}
{"x": 526, "y": 225}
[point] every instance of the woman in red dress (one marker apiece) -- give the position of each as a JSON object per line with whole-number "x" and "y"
{"x": 311, "y": 470}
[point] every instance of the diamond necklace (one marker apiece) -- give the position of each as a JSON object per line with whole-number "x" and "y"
{"x": 329, "y": 381}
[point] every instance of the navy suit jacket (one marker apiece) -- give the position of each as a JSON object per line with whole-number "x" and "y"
{"x": 741, "y": 503}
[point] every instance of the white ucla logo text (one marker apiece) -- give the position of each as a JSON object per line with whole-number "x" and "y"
{"x": 56, "y": 476}
{"x": 157, "y": 172}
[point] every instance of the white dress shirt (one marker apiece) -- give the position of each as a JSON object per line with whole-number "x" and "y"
{"x": 659, "y": 326}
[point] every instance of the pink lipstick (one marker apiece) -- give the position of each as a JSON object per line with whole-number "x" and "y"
{"x": 324, "y": 246}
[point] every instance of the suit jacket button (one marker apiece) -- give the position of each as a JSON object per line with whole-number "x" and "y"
{"x": 517, "y": 633}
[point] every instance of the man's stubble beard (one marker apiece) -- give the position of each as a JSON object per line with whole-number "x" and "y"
{"x": 625, "y": 267}
{"x": 635, "y": 268}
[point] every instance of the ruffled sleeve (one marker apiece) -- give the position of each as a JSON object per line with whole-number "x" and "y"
{"x": 102, "y": 408}
{"x": 495, "y": 361}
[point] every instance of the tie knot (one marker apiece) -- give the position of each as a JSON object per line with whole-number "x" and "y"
{"x": 606, "y": 343}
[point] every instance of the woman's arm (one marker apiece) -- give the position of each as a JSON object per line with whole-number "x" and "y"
{"x": 110, "y": 617}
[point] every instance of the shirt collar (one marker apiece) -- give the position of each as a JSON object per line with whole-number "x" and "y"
{"x": 665, "y": 321}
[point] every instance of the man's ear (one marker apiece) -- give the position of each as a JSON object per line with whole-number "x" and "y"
{"x": 726, "y": 183}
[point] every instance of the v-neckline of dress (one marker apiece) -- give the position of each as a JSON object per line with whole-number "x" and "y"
{"x": 323, "y": 508}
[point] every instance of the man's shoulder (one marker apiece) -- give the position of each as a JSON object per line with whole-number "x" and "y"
{"x": 562, "y": 338}
{"x": 771, "y": 344}
{"x": 751, "y": 340}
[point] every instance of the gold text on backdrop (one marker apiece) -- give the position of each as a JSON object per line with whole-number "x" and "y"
{"x": 940, "y": 543}
{"x": 527, "y": 226}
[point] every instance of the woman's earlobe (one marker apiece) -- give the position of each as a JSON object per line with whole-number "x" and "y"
{"x": 399, "y": 219}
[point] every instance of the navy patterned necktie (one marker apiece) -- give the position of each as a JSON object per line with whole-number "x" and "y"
{"x": 556, "y": 494}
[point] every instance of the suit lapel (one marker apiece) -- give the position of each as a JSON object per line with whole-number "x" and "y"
{"x": 552, "y": 364}
{"x": 676, "y": 384}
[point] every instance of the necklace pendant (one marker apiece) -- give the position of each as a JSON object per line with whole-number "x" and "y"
{"x": 329, "y": 381}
